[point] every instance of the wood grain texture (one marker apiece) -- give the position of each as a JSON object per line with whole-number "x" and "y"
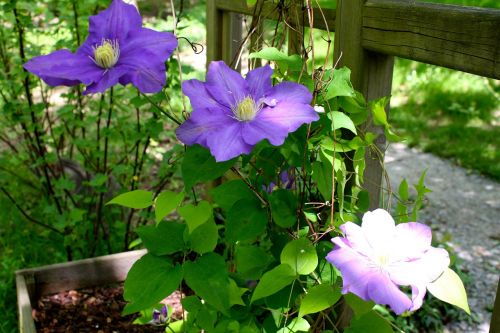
{"x": 81, "y": 273}
{"x": 371, "y": 74}
{"x": 26, "y": 323}
{"x": 495, "y": 316}
{"x": 462, "y": 38}
{"x": 271, "y": 11}
{"x": 224, "y": 30}
{"x": 35, "y": 282}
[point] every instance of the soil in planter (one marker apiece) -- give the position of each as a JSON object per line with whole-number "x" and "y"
{"x": 96, "y": 310}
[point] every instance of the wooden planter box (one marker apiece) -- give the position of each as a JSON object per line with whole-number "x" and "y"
{"x": 33, "y": 283}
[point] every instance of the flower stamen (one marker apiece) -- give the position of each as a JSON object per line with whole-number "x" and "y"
{"x": 106, "y": 54}
{"x": 246, "y": 109}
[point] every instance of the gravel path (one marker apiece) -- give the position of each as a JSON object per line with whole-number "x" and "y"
{"x": 467, "y": 206}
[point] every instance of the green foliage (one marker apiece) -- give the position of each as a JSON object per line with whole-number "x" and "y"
{"x": 135, "y": 199}
{"x": 199, "y": 166}
{"x": 448, "y": 113}
{"x": 319, "y": 298}
{"x": 148, "y": 281}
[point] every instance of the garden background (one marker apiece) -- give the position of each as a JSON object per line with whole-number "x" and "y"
{"x": 448, "y": 113}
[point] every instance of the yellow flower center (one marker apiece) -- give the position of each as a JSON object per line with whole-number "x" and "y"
{"x": 246, "y": 109}
{"x": 106, "y": 55}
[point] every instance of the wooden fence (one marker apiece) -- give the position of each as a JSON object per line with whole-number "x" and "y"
{"x": 368, "y": 34}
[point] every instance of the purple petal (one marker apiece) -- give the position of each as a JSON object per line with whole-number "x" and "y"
{"x": 225, "y": 85}
{"x": 412, "y": 239}
{"x": 147, "y": 72}
{"x": 383, "y": 291}
{"x": 289, "y": 91}
{"x": 202, "y": 124}
{"x": 107, "y": 80}
{"x": 287, "y": 114}
{"x": 256, "y": 131}
{"x": 259, "y": 81}
{"x": 356, "y": 269}
{"x": 379, "y": 229}
{"x": 139, "y": 41}
{"x": 115, "y": 22}
{"x": 198, "y": 95}
{"x": 64, "y": 68}
{"x": 228, "y": 142}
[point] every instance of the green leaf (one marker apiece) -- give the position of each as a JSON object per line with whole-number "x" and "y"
{"x": 301, "y": 255}
{"x": 135, "y": 199}
{"x": 450, "y": 289}
{"x": 196, "y": 215}
{"x": 235, "y": 293}
{"x": 228, "y": 193}
{"x": 340, "y": 84}
{"x": 208, "y": 278}
{"x": 282, "y": 59}
{"x": 341, "y": 120}
{"x": 251, "y": 3}
{"x": 165, "y": 238}
{"x": 296, "y": 325}
{"x": 403, "y": 190}
{"x": 245, "y": 221}
{"x": 378, "y": 111}
{"x": 369, "y": 322}
{"x": 358, "y": 305}
{"x": 150, "y": 280}
{"x": 200, "y": 166}
{"x": 251, "y": 261}
{"x": 204, "y": 238}
{"x": 283, "y": 208}
{"x": 166, "y": 202}
{"x": 322, "y": 175}
{"x": 273, "y": 281}
{"x": 319, "y": 298}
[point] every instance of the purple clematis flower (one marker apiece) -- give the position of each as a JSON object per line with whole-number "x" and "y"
{"x": 379, "y": 256}
{"x": 232, "y": 114}
{"x": 117, "y": 50}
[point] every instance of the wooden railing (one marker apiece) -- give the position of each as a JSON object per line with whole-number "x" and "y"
{"x": 368, "y": 34}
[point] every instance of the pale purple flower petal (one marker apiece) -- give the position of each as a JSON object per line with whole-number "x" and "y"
{"x": 379, "y": 228}
{"x": 231, "y": 115}
{"x": 378, "y": 257}
{"x": 412, "y": 240}
{"x": 382, "y": 290}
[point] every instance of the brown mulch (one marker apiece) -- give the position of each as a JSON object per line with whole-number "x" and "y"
{"x": 96, "y": 310}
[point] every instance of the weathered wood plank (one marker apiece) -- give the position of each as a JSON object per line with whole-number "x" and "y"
{"x": 81, "y": 273}
{"x": 271, "y": 11}
{"x": 26, "y": 323}
{"x": 495, "y": 315}
{"x": 462, "y": 38}
{"x": 223, "y": 33}
{"x": 371, "y": 74}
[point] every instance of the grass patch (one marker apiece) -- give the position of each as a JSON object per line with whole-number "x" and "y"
{"x": 449, "y": 113}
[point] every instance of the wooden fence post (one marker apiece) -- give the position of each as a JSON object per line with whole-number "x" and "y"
{"x": 224, "y": 31}
{"x": 371, "y": 74}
